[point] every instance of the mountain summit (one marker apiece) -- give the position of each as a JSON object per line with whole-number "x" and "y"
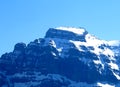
{"x": 67, "y": 33}
{"x": 65, "y": 57}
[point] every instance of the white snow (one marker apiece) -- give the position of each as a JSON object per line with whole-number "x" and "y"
{"x": 77, "y": 44}
{"x": 113, "y": 66}
{"x": 95, "y": 43}
{"x": 117, "y": 76}
{"x": 96, "y": 50}
{"x": 60, "y": 49}
{"x": 52, "y": 42}
{"x": 105, "y": 85}
{"x": 82, "y": 84}
{"x": 114, "y": 43}
{"x": 97, "y": 61}
{"x": 108, "y": 52}
{"x": 71, "y": 29}
{"x": 53, "y": 54}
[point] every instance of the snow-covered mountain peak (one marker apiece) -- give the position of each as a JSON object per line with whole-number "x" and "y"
{"x": 66, "y": 56}
{"x": 69, "y": 37}
{"x": 72, "y": 29}
{"x": 65, "y": 33}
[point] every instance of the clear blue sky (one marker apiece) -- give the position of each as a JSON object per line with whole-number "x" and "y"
{"x": 26, "y": 20}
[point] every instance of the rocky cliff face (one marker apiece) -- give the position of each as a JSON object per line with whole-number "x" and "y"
{"x": 64, "y": 34}
{"x": 66, "y": 57}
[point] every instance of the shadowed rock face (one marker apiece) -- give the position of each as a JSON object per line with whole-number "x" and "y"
{"x": 43, "y": 57}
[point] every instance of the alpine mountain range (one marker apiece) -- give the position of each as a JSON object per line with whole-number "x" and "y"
{"x": 65, "y": 57}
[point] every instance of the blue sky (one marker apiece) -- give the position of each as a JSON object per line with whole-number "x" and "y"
{"x": 26, "y": 20}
